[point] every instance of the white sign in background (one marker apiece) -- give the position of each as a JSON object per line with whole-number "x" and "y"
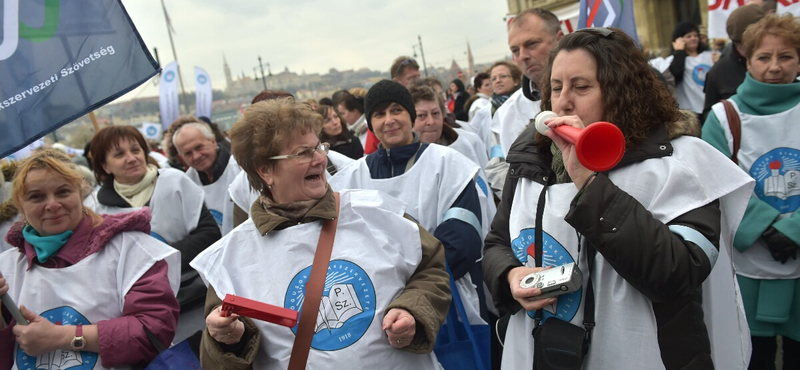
{"x": 719, "y": 10}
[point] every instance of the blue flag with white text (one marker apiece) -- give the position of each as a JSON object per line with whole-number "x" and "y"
{"x": 608, "y": 13}
{"x": 60, "y": 59}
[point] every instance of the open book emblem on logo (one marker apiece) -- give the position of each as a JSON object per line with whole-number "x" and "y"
{"x": 59, "y": 359}
{"x": 777, "y": 175}
{"x": 347, "y": 307}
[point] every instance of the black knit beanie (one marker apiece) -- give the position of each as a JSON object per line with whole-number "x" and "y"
{"x": 387, "y": 90}
{"x": 683, "y": 28}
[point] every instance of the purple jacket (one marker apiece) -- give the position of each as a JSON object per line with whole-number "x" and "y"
{"x": 149, "y": 302}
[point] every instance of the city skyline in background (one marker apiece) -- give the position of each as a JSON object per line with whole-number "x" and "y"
{"x": 315, "y": 36}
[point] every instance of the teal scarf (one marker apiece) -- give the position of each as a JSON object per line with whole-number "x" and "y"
{"x": 45, "y": 246}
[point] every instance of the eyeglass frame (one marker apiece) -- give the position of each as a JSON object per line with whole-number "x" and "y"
{"x": 404, "y": 63}
{"x": 602, "y": 31}
{"x": 324, "y": 147}
{"x": 500, "y": 76}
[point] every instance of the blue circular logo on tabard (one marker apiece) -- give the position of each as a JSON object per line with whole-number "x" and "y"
{"x": 347, "y": 307}
{"x": 59, "y": 359}
{"x": 777, "y": 175}
{"x": 217, "y": 215}
{"x": 201, "y": 79}
{"x": 553, "y": 254}
{"x": 699, "y": 74}
{"x": 169, "y": 76}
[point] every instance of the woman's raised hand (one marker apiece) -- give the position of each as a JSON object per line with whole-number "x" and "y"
{"x": 577, "y": 172}
{"x": 679, "y": 44}
{"x": 226, "y": 330}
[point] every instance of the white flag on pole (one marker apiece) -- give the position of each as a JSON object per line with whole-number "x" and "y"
{"x": 203, "y": 92}
{"x": 168, "y": 95}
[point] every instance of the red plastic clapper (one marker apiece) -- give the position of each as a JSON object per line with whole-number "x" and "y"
{"x": 258, "y": 310}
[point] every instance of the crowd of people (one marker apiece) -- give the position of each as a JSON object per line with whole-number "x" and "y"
{"x": 438, "y": 201}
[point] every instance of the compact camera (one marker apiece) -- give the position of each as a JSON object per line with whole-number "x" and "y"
{"x": 554, "y": 281}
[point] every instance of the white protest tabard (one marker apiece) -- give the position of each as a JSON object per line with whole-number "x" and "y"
{"x": 168, "y": 95}
{"x": 203, "y": 92}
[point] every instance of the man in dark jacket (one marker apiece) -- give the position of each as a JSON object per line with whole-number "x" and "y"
{"x": 728, "y": 73}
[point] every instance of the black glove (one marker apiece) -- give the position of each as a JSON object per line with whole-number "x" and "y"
{"x": 779, "y": 245}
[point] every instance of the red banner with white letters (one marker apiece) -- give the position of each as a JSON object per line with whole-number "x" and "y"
{"x": 719, "y": 10}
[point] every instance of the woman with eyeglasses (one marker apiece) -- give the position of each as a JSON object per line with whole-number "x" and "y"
{"x": 505, "y": 78}
{"x": 767, "y": 105}
{"x": 180, "y": 217}
{"x": 645, "y": 234}
{"x": 386, "y": 290}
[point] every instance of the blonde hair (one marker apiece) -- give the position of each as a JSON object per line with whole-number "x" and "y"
{"x": 56, "y": 162}
{"x": 359, "y": 92}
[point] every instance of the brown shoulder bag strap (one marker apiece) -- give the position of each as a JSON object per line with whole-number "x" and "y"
{"x": 313, "y": 296}
{"x": 735, "y": 124}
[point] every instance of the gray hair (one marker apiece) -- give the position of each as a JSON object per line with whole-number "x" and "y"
{"x": 199, "y": 126}
{"x": 550, "y": 20}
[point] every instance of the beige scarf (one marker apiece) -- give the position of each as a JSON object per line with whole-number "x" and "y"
{"x": 138, "y": 194}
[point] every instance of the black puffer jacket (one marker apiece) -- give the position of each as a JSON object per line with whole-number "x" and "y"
{"x": 669, "y": 271}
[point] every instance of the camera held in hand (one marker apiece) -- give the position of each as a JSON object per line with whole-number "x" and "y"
{"x": 554, "y": 281}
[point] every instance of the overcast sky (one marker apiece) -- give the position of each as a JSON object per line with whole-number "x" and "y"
{"x": 316, "y": 35}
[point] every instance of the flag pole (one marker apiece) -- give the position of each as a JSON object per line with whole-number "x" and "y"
{"x": 94, "y": 122}
{"x": 175, "y": 56}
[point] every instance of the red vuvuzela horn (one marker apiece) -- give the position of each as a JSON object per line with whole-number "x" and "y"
{"x": 599, "y": 146}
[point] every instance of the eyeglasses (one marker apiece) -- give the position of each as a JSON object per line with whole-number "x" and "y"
{"x": 602, "y": 31}
{"x": 403, "y": 64}
{"x": 499, "y": 77}
{"x": 305, "y": 155}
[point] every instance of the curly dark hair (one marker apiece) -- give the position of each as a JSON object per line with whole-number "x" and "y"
{"x": 634, "y": 98}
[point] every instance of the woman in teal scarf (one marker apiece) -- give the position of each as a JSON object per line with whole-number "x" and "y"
{"x": 87, "y": 285}
{"x": 766, "y": 245}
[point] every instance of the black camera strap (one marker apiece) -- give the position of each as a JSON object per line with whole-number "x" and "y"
{"x": 588, "y": 308}
{"x": 538, "y": 241}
